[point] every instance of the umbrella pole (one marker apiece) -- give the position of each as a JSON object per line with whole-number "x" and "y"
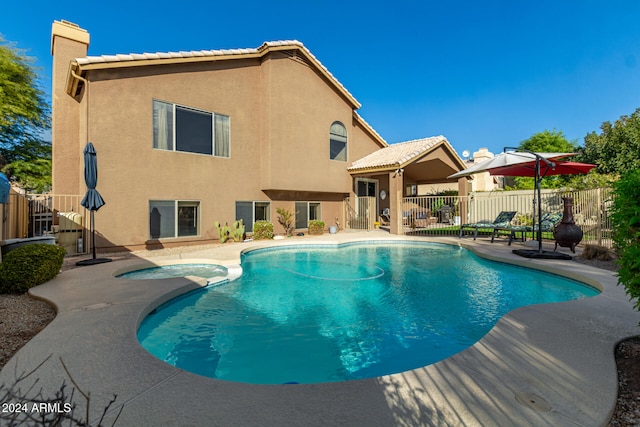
{"x": 532, "y": 253}
{"x": 538, "y": 179}
{"x": 93, "y": 235}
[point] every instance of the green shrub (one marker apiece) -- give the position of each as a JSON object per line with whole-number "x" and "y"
{"x": 626, "y": 232}
{"x": 316, "y": 226}
{"x": 223, "y": 231}
{"x": 30, "y": 266}
{"x": 237, "y": 231}
{"x": 285, "y": 218}
{"x": 262, "y": 230}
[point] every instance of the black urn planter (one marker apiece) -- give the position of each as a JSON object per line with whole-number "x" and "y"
{"x": 567, "y": 233}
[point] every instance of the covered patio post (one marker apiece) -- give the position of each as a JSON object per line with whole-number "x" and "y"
{"x": 396, "y": 188}
{"x": 463, "y": 201}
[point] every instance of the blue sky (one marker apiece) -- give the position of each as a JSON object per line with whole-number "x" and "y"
{"x": 484, "y": 74}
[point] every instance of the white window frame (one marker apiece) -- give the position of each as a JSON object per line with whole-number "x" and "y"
{"x": 173, "y": 135}
{"x": 308, "y": 216}
{"x": 176, "y": 219}
{"x": 253, "y": 211}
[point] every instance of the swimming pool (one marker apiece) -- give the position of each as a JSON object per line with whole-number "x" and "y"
{"x": 322, "y": 314}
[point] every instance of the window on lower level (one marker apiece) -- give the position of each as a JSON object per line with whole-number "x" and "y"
{"x": 180, "y": 128}
{"x": 173, "y": 218}
{"x": 307, "y": 211}
{"x": 250, "y": 212}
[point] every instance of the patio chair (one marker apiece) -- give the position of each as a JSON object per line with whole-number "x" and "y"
{"x": 503, "y": 220}
{"x": 548, "y": 222}
{"x": 385, "y": 216}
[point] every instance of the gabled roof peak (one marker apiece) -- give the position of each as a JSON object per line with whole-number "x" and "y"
{"x": 396, "y": 155}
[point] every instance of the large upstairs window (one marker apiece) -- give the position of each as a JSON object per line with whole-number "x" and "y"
{"x": 179, "y": 128}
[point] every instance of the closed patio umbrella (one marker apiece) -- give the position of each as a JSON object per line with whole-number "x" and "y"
{"x": 92, "y": 200}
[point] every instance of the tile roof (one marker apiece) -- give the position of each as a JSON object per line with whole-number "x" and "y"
{"x": 133, "y": 59}
{"x": 397, "y": 155}
{"x": 188, "y": 54}
{"x": 371, "y": 129}
{"x": 138, "y": 58}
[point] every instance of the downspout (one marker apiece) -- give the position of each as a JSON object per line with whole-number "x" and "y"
{"x": 86, "y": 85}
{"x": 85, "y": 81}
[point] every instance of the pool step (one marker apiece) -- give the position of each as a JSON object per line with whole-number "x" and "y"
{"x": 233, "y": 272}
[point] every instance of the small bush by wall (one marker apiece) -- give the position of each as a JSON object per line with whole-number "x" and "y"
{"x": 316, "y": 226}
{"x": 285, "y": 218}
{"x": 262, "y": 230}
{"x": 224, "y": 231}
{"x": 598, "y": 252}
{"x": 237, "y": 231}
{"x": 30, "y": 266}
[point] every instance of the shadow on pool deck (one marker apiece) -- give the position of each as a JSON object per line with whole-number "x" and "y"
{"x": 540, "y": 365}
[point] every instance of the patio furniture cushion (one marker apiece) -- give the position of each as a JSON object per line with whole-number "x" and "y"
{"x": 503, "y": 220}
{"x": 548, "y": 221}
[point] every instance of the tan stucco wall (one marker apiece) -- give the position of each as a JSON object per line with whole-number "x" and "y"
{"x": 301, "y": 108}
{"x": 280, "y": 111}
{"x": 66, "y": 42}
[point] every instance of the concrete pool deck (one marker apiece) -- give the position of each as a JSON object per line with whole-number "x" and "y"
{"x": 540, "y": 365}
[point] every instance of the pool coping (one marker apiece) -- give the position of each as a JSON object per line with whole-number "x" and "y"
{"x": 540, "y": 365}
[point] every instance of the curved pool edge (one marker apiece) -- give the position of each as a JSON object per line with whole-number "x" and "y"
{"x": 549, "y": 266}
{"x": 562, "y": 353}
{"x": 144, "y": 264}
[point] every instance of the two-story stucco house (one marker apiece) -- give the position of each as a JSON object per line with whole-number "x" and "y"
{"x": 185, "y": 139}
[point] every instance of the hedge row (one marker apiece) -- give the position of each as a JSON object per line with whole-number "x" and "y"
{"x": 29, "y": 266}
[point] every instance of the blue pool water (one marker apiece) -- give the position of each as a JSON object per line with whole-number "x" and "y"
{"x": 206, "y": 271}
{"x": 322, "y": 314}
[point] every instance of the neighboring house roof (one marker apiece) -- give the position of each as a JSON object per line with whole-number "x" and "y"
{"x": 399, "y": 155}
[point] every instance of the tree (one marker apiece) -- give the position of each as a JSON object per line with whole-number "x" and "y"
{"x": 24, "y": 117}
{"x": 615, "y": 150}
{"x": 549, "y": 142}
{"x": 626, "y": 232}
{"x": 546, "y": 142}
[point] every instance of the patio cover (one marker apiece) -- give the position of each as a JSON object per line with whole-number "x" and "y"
{"x": 402, "y": 154}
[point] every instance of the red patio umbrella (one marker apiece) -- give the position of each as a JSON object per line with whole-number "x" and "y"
{"x": 539, "y": 168}
{"x": 555, "y": 168}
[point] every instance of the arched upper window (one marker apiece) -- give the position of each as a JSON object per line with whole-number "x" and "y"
{"x": 338, "y": 142}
